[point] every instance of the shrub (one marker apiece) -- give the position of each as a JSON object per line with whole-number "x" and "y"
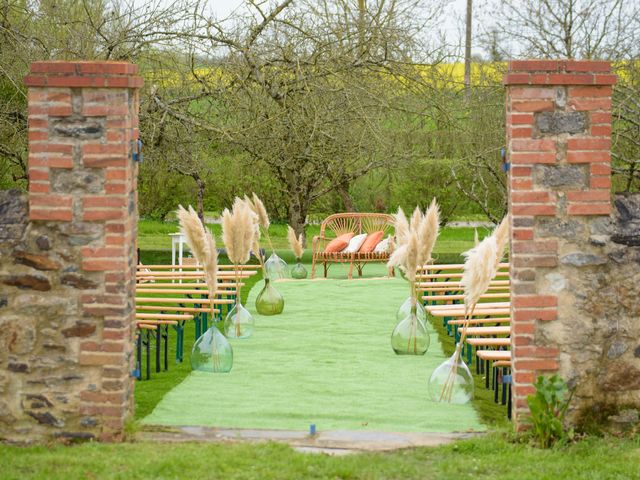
{"x": 548, "y": 409}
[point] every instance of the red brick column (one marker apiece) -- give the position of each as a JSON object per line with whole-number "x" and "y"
{"x": 83, "y": 121}
{"x": 558, "y": 146}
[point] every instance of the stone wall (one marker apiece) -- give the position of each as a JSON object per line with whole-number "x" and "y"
{"x": 67, "y": 258}
{"x": 575, "y": 282}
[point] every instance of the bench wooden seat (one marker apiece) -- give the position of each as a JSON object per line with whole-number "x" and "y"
{"x": 476, "y": 313}
{"x": 352, "y": 222}
{"x": 480, "y": 321}
{"x": 487, "y": 331}
{"x": 452, "y": 297}
{"x": 494, "y": 355}
{"x": 489, "y": 342}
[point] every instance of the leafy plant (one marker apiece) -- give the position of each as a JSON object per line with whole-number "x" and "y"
{"x": 548, "y": 409}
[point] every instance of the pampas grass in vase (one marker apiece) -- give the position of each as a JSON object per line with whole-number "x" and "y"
{"x": 238, "y": 235}
{"x": 412, "y": 316}
{"x": 410, "y": 335}
{"x": 275, "y": 267}
{"x": 211, "y": 352}
{"x": 452, "y": 381}
{"x": 297, "y": 272}
{"x": 269, "y": 301}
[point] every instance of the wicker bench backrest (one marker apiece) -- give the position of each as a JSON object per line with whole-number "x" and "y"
{"x": 357, "y": 223}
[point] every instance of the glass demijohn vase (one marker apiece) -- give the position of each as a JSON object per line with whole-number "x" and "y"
{"x": 239, "y": 322}
{"x": 299, "y": 272}
{"x": 212, "y": 352}
{"x": 276, "y": 267}
{"x": 410, "y": 335}
{"x": 269, "y": 301}
{"x": 451, "y": 382}
{"x": 405, "y": 309}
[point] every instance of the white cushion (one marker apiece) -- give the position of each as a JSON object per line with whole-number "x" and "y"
{"x": 383, "y": 246}
{"x": 355, "y": 243}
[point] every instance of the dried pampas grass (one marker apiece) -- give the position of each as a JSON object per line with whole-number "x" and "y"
{"x": 411, "y": 259}
{"x": 416, "y": 219}
{"x": 401, "y": 226}
{"x": 261, "y": 211}
{"x": 501, "y": 233}
{"x": 398, "y": 257}
{"x": 238, "y": 232}
{"x": 428, "y": 232}
{"x": 295, "y": 242}
{"x": 479, "y": 270}
{"x": 203, "y": 247}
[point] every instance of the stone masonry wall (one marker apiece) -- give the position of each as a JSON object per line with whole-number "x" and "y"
{"x": 574, "y": 259}
{"x": 67, "y": 258}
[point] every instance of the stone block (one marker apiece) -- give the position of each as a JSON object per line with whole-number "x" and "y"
{"x": 561, "y": 177}
{"x": 32, "y": 282}
{"x": 583, "y": 259}
{"x": 554, "y": 123}
{"x": 39, "y": 262}
{"x": 83, "y": 129}
{"x": 558, "y": 227}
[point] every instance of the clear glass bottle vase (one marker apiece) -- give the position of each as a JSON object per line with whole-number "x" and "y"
{"x": 212, "y": 352}
{"x": 239, "y": 323}
{"x": 276, "y": 267}
{"x": 410, "y": 335}
{"x": 299, "y": 272}
{"x": 452, "y": 381}
{"x": 269, "y": 301}
{"x": 405, "y": 309}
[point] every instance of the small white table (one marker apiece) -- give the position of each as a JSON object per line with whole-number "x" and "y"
{"x": 177, "y": 239}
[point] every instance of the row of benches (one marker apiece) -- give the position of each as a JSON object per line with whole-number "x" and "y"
{"x": 170, "y": 296}
{"x": 489, "y": 328}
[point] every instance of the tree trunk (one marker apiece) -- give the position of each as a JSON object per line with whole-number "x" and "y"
{"x": 200, "y": 195}
{"x": 298, "y": 216}
{"x": 343, "y": 191}
{"x": 467, "y": 52}
{"x": 362, "y": 46}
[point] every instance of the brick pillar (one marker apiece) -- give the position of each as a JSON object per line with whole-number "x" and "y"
{"x": 83, "y": 120}
{"x": 558, "y": 145}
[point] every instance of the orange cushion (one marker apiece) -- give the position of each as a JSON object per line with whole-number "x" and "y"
{"x": 338, "y": 244}
{"x": 371, "y": 241}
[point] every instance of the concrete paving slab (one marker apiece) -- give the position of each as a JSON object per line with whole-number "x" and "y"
{"x": 332, "y": 442}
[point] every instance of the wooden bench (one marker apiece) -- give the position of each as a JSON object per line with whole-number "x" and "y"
{"x": 356, "y": 223}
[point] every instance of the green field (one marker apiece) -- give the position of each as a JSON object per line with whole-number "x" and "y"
{"x": 154, "y": 235}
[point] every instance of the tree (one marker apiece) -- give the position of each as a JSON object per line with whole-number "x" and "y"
{"x": 589, "y": 29}
{"x": 307, "y": 92}
{"x": 68, "y": 30}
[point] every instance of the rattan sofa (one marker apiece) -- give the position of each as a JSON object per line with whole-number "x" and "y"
{"x": 357, "y": 223}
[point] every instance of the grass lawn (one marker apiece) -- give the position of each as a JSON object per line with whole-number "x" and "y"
{"x": 488, "y": 457}
{"x": 149, "y": 392}
{"x": 325, "y": 360}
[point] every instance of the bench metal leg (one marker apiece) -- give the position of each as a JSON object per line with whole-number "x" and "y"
{"x": 148, "y": 351}
{"x": 158, "y": 347}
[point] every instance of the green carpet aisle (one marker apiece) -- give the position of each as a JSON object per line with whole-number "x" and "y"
{"x": 326, "y": 360}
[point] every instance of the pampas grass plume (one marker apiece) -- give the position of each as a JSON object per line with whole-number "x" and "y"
{"x": 295, "y": 242}
{"x": 429, "y": 229}
{"x": 411, "y": 260}
{"x": 398, "y": 257}
{"x": 416, "y": 219}
{"x": 402, "y": 227}
{"x": 502, "y": 238}
{"x": 479, "y": 269}
{"x": 203, "y": 246}
{"x": 261, "y": 211}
